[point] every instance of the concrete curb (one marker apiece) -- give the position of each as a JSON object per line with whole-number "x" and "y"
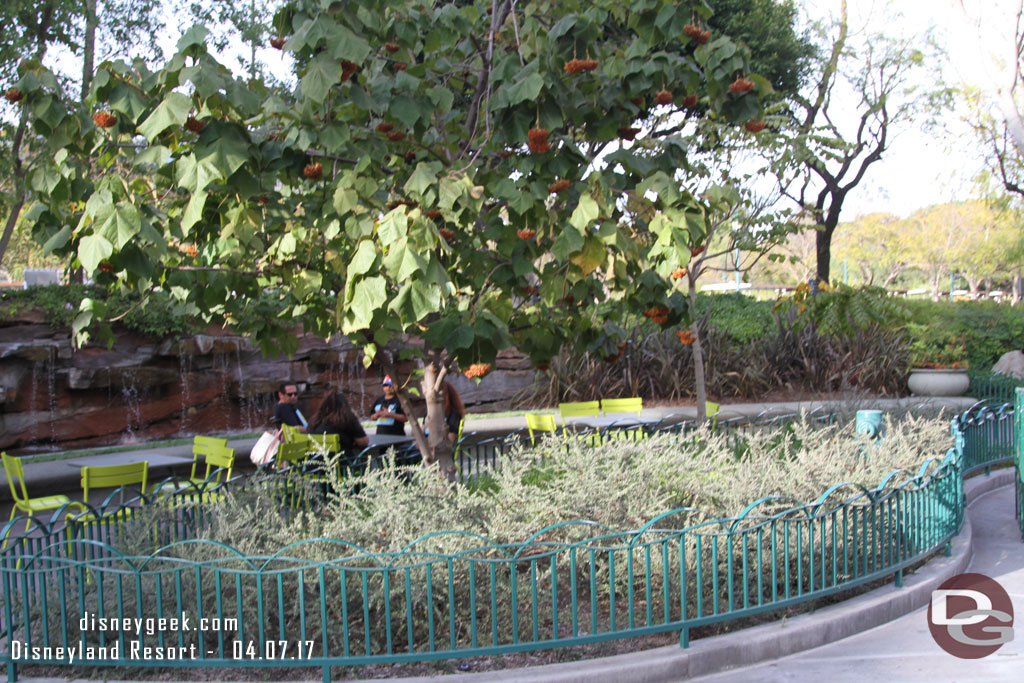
{"x": 768, "y": 641}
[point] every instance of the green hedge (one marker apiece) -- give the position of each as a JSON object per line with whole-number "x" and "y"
{"x": 158, "y": 316}
{"x": 987, "y": 329}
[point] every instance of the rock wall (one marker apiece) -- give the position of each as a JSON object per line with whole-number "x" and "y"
{"x": 53, "y": 396}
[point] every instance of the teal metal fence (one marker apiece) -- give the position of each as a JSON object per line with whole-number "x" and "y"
{"x": 68, "y": 592}
{"x": 984, "y": 435}
{"x": 998, "y": 389}
{"x": 1019, "y": 456}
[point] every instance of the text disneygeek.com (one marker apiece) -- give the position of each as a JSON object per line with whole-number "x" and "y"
{"x": 125, "y": 638}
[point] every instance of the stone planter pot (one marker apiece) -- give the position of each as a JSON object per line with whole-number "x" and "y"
{"x": 932, "y": 382}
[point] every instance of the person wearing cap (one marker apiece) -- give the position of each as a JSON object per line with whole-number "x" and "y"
{"x": 387, "y": 411}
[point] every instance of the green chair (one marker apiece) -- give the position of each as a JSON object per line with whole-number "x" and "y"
{"x": 579, "y": 409}
{"x": 292, "y": 453}
{"x": 292, "y": 434}
{"x": 114, "y": 476}
{"x": 622, "y": 405}
{"x": 712, "y": 409}
{"x": 323, "y": 443}
{"x": 19, "y": 493}
{"x": 219, "y": 461}
{"x": 294, "y": 456}
{"x": 540, "y": 423}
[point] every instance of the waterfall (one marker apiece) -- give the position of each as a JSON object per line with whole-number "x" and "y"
{"x": 33, "y": 398}
{"x": 51, "y": 388}
{"x": 133, "y": 407}
{"x": 184, "y": 370}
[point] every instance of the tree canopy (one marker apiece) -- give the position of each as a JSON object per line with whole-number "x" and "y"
{"x": 472, "y": 175}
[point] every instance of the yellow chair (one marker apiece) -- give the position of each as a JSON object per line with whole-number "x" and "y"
{"x": 712, "y": 409}
{"x": 540, "y": 423}
{"x": 292, "y": 452}
{"x": 322, "y": 443}
{"x": 19, "y": 493}
{"x": 114, "y": 476}
{"x": 579, "y": 409}
{"x": 219, "y": 462}
{"x": 622, "y": 405}
{"x": 292, "y": 434}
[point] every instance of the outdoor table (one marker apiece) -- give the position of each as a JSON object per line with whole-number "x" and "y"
{"x": 154, "y": 460}
{"x": 385, "y": 440}
{"x": 601, "y": 422}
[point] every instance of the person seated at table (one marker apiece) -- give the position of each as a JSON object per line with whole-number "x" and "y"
{"x": 387, "y": 411}
{"x": 335, "y": 416}
{"x": 286, "y": 412}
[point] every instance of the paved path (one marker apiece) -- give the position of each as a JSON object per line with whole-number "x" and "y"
{"x": 903, "y": 650}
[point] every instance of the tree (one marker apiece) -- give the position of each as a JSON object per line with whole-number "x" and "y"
{"x": 877, "y": 243}
{"x": 962, "y": 238}
{"x": 834, "y": 150}
{"x": 434, "y": 177}
{"x": 82, "y": 28}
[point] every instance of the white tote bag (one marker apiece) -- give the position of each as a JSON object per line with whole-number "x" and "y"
{"x": 266, "y": 448}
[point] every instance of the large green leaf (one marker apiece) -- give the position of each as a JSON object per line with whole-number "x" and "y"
{"x": 524, "y": 87}
{"x": 363, "y": 260}
{"x": 195, "y": 36}
{"x": 171, "y": 112}
{"x": 93, "y": 249}
{"x": 423, "y": 178}
{"x": 415, "y": 301}
{"x": 119, "y": 223}
{"x": 349, "y": 46}
{"x": 403, "y": 261}
{"x": 321, "y": 74}
{"x": 586, "y": 212}
{"x": 367, "y": 296}
{"x": 219, "y": 155}
{"x": 194, "y": 211}
{"x": 128, "y": 102}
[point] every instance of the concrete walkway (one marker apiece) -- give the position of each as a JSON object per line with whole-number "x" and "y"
{"x": 903, "y": 650}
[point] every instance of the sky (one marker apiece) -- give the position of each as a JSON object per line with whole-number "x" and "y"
{"x": 921, "y": 167}
{"x": 924, "y": 167}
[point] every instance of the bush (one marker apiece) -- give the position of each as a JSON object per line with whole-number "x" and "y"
{"x": 155, "y": 316}
{"x": 986, "y": 329}
{"x": 739, "y": 318}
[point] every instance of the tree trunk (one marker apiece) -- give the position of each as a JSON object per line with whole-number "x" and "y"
{"x": 439, "y": 445}
{"x": 88, "y": 47}
{"x": 434, "y": 447}
{"x": 699, "y": 382}
{"x": 18, "y": 170}
{"x": 823, "y": 248}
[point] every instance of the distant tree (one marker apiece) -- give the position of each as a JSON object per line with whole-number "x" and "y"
{"x": 877, "y": 244}
{"x": 963, "y": 238}
{"x": 862, "y": 90}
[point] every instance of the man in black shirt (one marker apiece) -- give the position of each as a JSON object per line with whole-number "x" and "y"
{"x": 286, "y": 412}
{"x": 387, "y": 411}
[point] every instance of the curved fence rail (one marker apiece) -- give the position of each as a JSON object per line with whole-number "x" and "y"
{"x": 68, "y": 593}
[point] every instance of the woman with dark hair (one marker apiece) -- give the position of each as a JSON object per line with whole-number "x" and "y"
{"x": 454, "y": 409}
{"x": 335, "y": 416}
